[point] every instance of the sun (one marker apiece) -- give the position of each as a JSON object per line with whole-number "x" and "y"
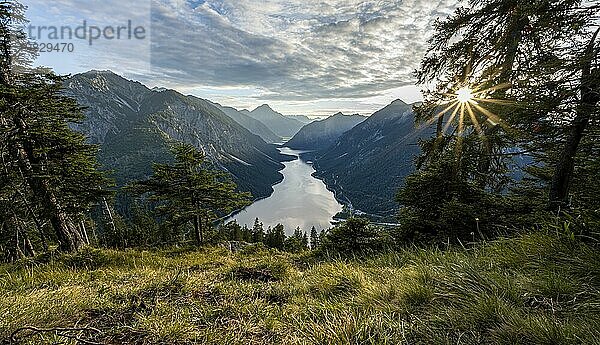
{"x": 466, "y": 107}
{"x": 464, "y": 95}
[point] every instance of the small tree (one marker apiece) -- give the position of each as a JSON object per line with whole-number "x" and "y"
{"x": 314, "y": 238}
{"x": 258, "y": 232}
{"x": 297, "y": 242}
{"x": 189, "y": 192}
{"x": 275, "y": 237}
{"x": 356, "y": 235}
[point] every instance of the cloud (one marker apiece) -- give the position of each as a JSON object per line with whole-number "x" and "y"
{"x": 293, "y": 50}
{"x": 282, "y": 50}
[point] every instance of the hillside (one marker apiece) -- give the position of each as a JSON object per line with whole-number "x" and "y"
{"x": 133, "y": 124}
{"x": 367, "y": 165}
{"x": 281, "y": 125}
{"x": 251, "y": 124}
{"x": 320, "y": 135}
{"x": 302, "y": 118}
{"x": 534, "y": 289}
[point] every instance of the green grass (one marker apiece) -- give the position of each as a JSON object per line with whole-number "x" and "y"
{"x": 534, "y": 289}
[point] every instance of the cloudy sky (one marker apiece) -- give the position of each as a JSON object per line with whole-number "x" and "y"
{"x": 313, "y": 57}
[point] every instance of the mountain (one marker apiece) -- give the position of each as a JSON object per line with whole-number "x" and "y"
{"x": 251, "y": 124}
{"x": 133, "y": 126}
{"x": 281, "y": 125}
{"x": 322, "y": 134}
{"x": 302, "y": 118}
{"x": 368, "y": 164}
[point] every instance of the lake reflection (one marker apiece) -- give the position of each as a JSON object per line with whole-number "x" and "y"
{"x": 300, "y": 200}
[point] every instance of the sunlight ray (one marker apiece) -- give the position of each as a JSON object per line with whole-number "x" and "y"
{"x": 474, "y": 118}
{"x": 495, "y": 101}
{"x": 459, "y": 140}
{"x": 493, "y": 118}
{"x": 442, "y": 112}
{"x": 451, "y": 119}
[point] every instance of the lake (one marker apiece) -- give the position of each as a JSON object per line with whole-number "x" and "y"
{"x": 299, "y": 200}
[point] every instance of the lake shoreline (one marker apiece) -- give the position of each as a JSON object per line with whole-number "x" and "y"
{"x": 299, "y": 200}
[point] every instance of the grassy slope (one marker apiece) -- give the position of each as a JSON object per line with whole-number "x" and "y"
{"x": 534, "y": 289}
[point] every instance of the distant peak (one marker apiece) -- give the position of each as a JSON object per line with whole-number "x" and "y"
{"x": 107, "y": 74}
{"x": 264, "y": 107}
{"x": 339, "y": 114}
{"x": 399, "y": 102}
{"x": 96, "y": 72}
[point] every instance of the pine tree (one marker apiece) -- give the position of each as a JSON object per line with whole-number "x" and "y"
{"x": 522, "y": 68}
{"x": 275, "y": 237}
{"x": 314, "y": 238}
{"x": 55, "y": 170}
{"x": 189, "y": 192}
{"x": 296, "y": 243}
{"x": 258, "y": 232}
{"x": 356, "y": 235}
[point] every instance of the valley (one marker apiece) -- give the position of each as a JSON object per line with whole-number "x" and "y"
{"x": 362, "y": 160}
{"x": 300, "y": 200}
{"x": 300, "y": 172}
{"x": 134, "y": 126}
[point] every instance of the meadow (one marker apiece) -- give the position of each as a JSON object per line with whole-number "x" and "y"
{"x": 537, "y": 288}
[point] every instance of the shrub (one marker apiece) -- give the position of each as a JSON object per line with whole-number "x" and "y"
{"x": 355, "y": 236}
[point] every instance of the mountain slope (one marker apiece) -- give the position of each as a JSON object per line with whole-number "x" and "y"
{"x": 251, "y": 124}
{"x": 302, "y": 118}
{"x": 367, "y": 165}
{"x": 322, "y": 134}
{"x": 133, "y": 125}
{"x": 281, "y": 125}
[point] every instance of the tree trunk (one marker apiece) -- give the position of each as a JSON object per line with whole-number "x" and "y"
{"x": 69, "y": 238}
{"x": 198, "y": 230}
{"x": 13, "y": 250}
{"x": 36, "y": 221}
{"x": 27, "y": 245}
{"x": 109, "y": 217}
{"x": 84, "y": 233}
{"x": 590, "y": 95}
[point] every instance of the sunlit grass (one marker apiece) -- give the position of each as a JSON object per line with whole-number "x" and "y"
{"x": 534, "y": 289}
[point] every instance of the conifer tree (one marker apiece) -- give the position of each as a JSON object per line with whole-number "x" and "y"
{"x": 54, "y": 170}
{"x": 275, "y": 237}
{"x": 187, "y": 191}
{"x": 258, "y": 232}
{"x": 356, "y": 235}
{"x": 297, "y": 242}
{"x": 314, "y": 238}
{"x": 525, "y": 70}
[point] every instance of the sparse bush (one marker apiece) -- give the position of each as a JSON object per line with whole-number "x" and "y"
{"x": 88, "y": 258}
{"x": 263, "y": 272}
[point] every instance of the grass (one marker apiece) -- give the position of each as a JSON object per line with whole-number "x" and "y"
{"x": 534, "y": 289}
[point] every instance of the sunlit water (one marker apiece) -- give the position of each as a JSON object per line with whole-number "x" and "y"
{"x": 299, "y": 201}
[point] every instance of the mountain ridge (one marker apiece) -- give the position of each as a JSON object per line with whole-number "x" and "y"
{"x": 133, "y": 126}
{"x": 251, "y": 124}
{"x": 319, "y": 135}
{"x": 283, "y": 126}
{"x": 368, "y": 164}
